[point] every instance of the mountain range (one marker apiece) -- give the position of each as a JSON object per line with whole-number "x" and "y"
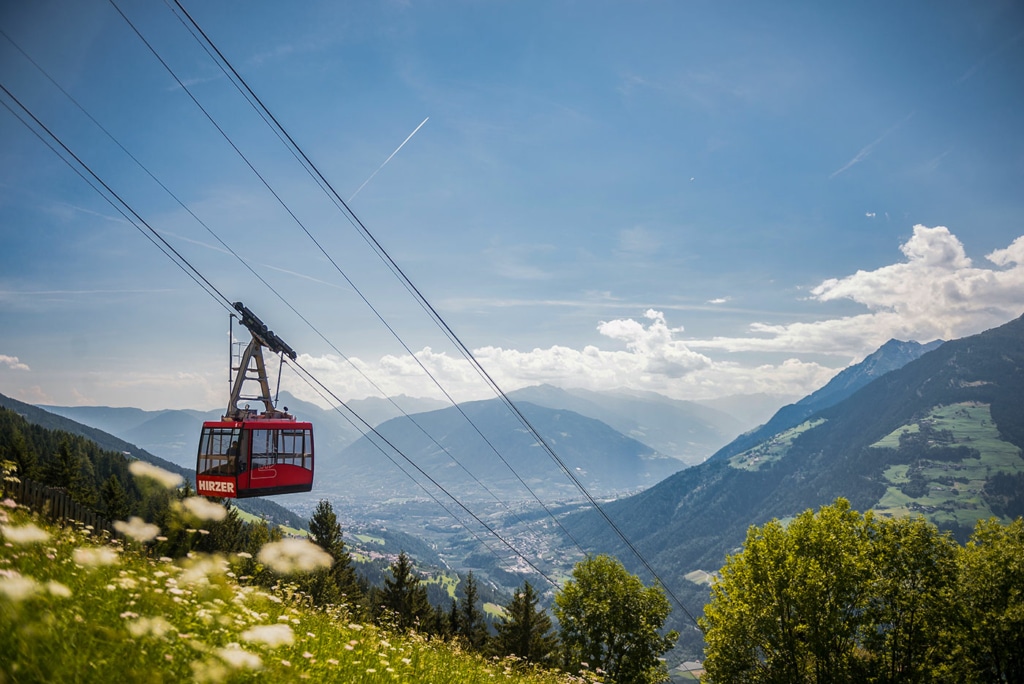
{"x": 685, "y": 430}
{"x": 490, "y": 456}
{"x": 935, "y": 430}
{"x": 941, "y": 436}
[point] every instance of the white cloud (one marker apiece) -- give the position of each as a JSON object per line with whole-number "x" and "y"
{"x": 936, "y": 293}
{"x": 653, "y": 359}
{"x": 13, "y": 363}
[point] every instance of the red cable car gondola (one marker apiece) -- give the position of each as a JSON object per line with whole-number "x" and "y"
{"x": 248, "y": 453}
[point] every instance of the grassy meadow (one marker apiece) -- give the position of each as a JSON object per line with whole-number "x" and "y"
{"x": 954, "y": 490}
{"x": 75, "y": 608}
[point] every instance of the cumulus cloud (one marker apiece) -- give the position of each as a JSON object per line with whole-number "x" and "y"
{"x": 936, "y": 292}
{"x": 13, "y": 363}
{"x": 652, "y": 357}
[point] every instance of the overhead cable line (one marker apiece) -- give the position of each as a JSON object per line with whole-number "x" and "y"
{"x": 425, "y": 474}
{"x": 281, "y": 297}
{"x": 312, "y": 168}
{"x": 115, "y": 200}
{"x": 425, "y": 304}
{"x": 120, "y": 205}
{"x": 245, "y": 263}
{"x": 264, "y": 112}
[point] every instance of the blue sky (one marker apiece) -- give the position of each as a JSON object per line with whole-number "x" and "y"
{"x": 695, "y": 198}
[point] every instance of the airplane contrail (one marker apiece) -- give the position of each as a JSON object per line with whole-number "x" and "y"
{"x": 387, "y": 160}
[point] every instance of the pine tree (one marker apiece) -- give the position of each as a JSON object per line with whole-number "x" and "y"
{"x": 337, "y": 584}
{"x": 114, "y": 503}
{"x": 68, "y": 469}
{"x": 227, "y": 535}
{"x": 19, "y": 451}
{"x": 438, "y": 624}
{"x": 403, "y": 595}
{"x": 525, "y": 631}
{"x": 471, "y": 619}
{"x": 453, "y": 619}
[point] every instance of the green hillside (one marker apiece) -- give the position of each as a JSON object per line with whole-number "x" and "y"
{"x": 942, "y": 481}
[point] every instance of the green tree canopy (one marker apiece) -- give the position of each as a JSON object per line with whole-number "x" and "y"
{"x": 610, "y": 621}
{"x": 836, "y": 596}
{"x": 990, "y": 594}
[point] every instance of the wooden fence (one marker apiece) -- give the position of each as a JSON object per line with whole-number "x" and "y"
{"x": 57, "y": 504}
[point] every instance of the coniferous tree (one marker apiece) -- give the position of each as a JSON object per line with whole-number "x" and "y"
{"x": 453, "y": 619}
{"x": 70, "y": 469}
{"x": 471, "y": 625}
{"x": 438, "y": 623}
{"x": 403, "y": 596}
{"x": 114, "y": 502}
{"x": 225, "y": 536}
{"x": 20, "y": 452}
{"x": 525, "y": 631}
{"x": 337, "y": 584}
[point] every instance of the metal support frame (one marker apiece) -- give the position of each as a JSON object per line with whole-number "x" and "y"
{"x": 245, "y": 372}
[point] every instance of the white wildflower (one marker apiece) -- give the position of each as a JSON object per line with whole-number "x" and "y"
{"x": 238, "y": 658}
{"x": 271, "y": 635}
{"x": 17, "y": 587}
{"x": 199, "y": 570}
{"x": 92, "y": 556}
{"x": 205, "y": 509}
{"x": 137, "y": 528}
{"x": 25, "y": 534}
{"x": 294, "y": 555}
{"x": 167, "y": 479}
{"x": 155, "y": 626}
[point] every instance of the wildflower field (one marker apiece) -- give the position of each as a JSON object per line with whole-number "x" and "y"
{"x": 78, "y": 608}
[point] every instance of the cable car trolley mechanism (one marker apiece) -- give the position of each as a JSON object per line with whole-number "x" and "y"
{"x": 249, "y": 453}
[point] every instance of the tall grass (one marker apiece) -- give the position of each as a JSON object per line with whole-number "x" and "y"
{"x": 78, "y": 609}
